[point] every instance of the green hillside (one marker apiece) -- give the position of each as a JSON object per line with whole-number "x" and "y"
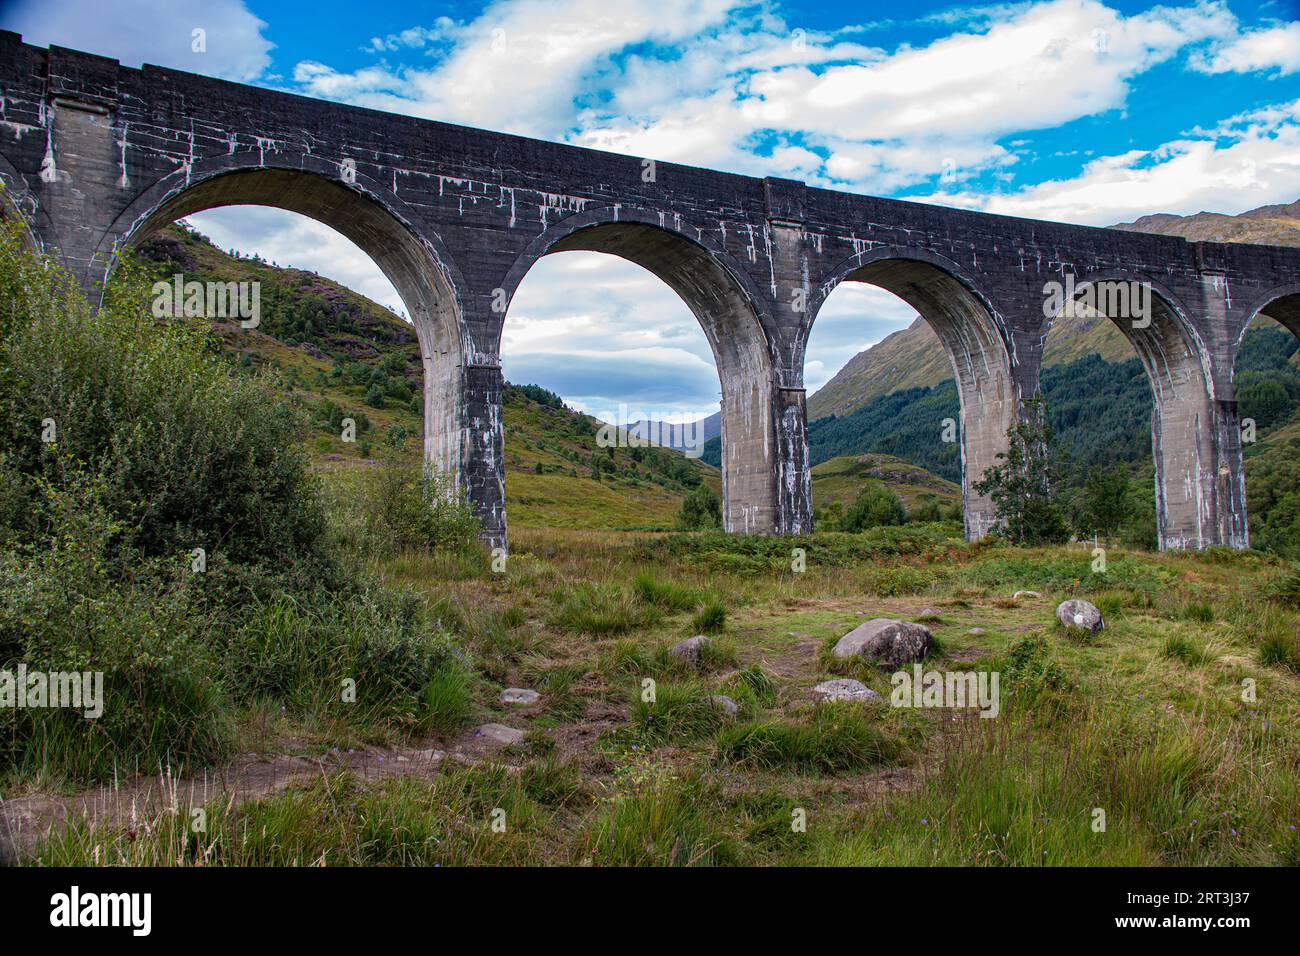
{"x": 339, "y": 355}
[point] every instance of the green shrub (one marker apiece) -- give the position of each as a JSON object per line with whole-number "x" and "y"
{"x": 394, "y": 506}
{"x": 701, "y": 510}
{"x": 192, "y": 454}
{"x": 875, "y": 506}
{"x": 64, "y": 608}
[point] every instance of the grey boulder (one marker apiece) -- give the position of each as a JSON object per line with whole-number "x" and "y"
{"x": 844, "y": 688}
{"x": 1080, "y": 615}
{"x": 691, "y": 650}
{"x": 726, "y": 704}
{"x": 500, "y": 735}
{"x": 887, "y": 641}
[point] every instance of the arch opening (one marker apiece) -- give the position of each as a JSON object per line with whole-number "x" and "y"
{"x": 1189, "y": 484}
{"x": 416, "y": 273}
{"x": 1266, "y": 392}
{"x": 978, "y": 361}
{"x": 715, "y": 297}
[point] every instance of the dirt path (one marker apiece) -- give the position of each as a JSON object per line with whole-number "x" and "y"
{"x": 25, "y": 820}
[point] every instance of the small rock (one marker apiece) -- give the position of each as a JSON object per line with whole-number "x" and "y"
{"x": 1080, "y": 615}
{"x": 844, "y": 688}
{"x": 928, "y": 614}
{"x": 501, "y": 735}
{"x": 888, "y": 641}
{"x": 691, "y": 650}
{"x": 726, "y": 703}
{"x": 429, "y": 756}
{"x": 976, "y": 632}
{"x": 1025, "y": 594}
{"x": 520, "y": 696}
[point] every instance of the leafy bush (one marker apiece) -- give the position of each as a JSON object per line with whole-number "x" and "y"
{"x": 875, "y": 506}
{"x": 395, "y": 506}
{"x": 192, "y": 455}
{"x": 701, "y": 511}
{"x": 64, "y": 607}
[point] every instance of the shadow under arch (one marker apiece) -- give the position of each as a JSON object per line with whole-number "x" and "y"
{"x": 721, "y": 297}
{"x": 979, "y": 349}
{"x": 367, "y": 215}
{"x": 1281, "y": 304}
{"x": 1185, "y": 422}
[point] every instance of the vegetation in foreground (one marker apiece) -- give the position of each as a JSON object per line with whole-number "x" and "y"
{"x": 358, "y": 617}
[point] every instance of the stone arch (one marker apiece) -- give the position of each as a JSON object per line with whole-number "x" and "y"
{"x": 1281, "y": 304}
{"x": 1193, "y": 492}
{"x": 728, "y": 307}
{"x": 979, "y": 347}
{"x": 366, "y": 213}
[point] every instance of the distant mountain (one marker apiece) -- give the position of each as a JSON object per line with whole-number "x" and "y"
{"x": 914, "y": 357}
{"x": 678, "y": 436}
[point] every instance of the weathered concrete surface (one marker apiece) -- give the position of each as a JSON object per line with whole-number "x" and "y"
{"x": 94, "y": 156}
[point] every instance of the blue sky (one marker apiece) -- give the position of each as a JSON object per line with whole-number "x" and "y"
{"x": 1077, "y": 110}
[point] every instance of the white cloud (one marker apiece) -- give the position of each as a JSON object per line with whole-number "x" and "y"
{"x": 160, "y": 32}
{"x": 1273, "y": 48}
{"x": 518, "y": 66}
{"x": 1247, "y": 161}
{"x": 734, "y": 86}
{"x": 599, "y": 331}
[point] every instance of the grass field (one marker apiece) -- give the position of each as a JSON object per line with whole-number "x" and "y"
{"x": 1150, "y": 723}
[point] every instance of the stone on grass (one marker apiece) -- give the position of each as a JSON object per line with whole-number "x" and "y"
{"x": 844, "y": 688}
{"x": 976, "y": 632}
{"x": 691, "y": 650}
{"x": 500, "y": 735}
{"x": 1080, "y": 615}
{"x": 887, "y": 641}
{"x": 519, "y": 696}
{"x": 1025, "y": 594}
{"x": 726, "y": 704}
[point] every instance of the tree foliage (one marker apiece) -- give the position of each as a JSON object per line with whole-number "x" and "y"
{"x": 1023, "y": 487}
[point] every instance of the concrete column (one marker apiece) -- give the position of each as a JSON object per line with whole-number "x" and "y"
{"x": 482, "y": 475}
{"x": 1231, "y": 525}
{"x": 748, "y": 449}
{"x": 794, "y": 470}
{"x": 790, "y": 301}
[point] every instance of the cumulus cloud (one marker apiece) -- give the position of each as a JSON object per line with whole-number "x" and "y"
{"x": 1248, "y": 160}
{"x": 730, "y": 84}
{"x": 150, "y": 31}
{"x": 1275, "y": 49}
{"x": 600, "y": 331}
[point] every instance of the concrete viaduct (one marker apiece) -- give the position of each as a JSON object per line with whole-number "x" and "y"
{"x": 95, "y": 156}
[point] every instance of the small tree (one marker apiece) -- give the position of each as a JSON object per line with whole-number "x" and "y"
{"x": 1024, "y": 485}
{"x": 876, "y": 505}
{"x": 701, "y": 511}
{"x": 1105, "y": 500}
